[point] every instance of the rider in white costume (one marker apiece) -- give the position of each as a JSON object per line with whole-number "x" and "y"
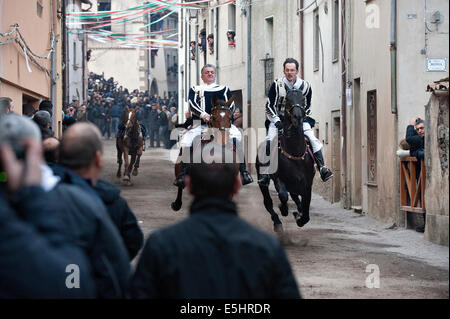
{"x": 275, "y": 106}
{"x": 200, "y": 98}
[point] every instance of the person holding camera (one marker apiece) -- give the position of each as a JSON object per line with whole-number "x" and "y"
{"x": 35, "y": 247}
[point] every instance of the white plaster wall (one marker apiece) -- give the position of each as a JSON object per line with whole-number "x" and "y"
{"x": 121, "y": 63}
{"x": 371, "y": 63}
{"x": 286, "y": 44}
{"x": 327, "y": 93}
{"x": 75, "y": 57}
{"x": 412, "y": 75}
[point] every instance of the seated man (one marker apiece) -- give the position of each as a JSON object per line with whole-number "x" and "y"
{"x": 200, "y": 106}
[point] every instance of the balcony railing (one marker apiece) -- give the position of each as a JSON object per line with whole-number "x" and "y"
{"x": 412, "y": 185}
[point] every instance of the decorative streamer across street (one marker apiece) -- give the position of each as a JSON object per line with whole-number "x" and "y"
{"x": 93, "y": 23}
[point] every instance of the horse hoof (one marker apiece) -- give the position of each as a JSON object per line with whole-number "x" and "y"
{"x": 135, "y": 172}
{"x": 278, "y": 228}
{"x": 302, "y": 221}
{"x": 118, "y": 175}
{"x": 176, "y": 206}
{"x": 284, "y": 210}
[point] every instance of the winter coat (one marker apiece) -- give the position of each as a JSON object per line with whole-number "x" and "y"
{"x": 213, "y": 254}
{"x": 122, "y": 216}
{"x": 36, "y": 251}
{"x": 115, "y": 110}
{"x": 88, "y": 223}
{"x": 415, "y": 142}
{"x": 153, "y": 120}
{"x": 162, "y": 119}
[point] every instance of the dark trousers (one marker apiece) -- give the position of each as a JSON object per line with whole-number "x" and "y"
{"x": 163, "y": 130}
{"x": 106, "y": 128}
{"x": 154, "y": 135}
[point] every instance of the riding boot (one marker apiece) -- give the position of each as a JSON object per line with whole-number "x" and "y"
{"x": 179, "y": 182}
{"x": 264, "y": 180}
{"x": 325, "y": 173}
{"x": 246, "y": 177}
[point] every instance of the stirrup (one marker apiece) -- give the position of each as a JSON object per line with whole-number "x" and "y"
{"x": 246, "y": 178}
{"x": 325, "y": 174}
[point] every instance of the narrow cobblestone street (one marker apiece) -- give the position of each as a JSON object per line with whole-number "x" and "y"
{"x": 329, "y": 256}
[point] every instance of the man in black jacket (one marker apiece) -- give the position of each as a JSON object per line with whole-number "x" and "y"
{"x": 81, "y": 162}
{"x": 122, "y": 216}
{"x": 213, "y": 253}
{"x": 415, "y": 136}
{"x": 153, "y": 125}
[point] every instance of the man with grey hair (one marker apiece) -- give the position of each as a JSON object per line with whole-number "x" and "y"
{"x": 5, "y": 105}
{"x": 44, "y": 121}
{"x": 13, "y": 130}
{"x": 200, "y": 105}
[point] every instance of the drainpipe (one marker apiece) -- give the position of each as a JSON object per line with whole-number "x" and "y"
{"x": 249, "y": 65}
{"x": 302, "y": 54}
{"x": 393, "y": 49}
{"x": 53, "y": 72}
{"x": 344, "y": 105}
{"x": 394, "y": 106}
{"x": 217, "y": 45}
{"x": 197, "y": 57}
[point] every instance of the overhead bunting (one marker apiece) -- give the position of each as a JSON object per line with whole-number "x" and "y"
{"x": 93, "y": 23}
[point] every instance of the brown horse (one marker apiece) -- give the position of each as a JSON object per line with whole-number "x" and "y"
{"x": 216, "y": 132}
{"x": 129, "y": 142}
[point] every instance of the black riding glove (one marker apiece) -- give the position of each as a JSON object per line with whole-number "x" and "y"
{"x": 308, "y": 112}
{"x": 279, "y": 127}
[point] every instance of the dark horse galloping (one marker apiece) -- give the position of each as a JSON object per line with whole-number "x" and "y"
{"x": 129, "y": 142}
{"x": 295, "y": 171}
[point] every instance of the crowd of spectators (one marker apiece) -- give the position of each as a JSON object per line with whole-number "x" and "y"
{"x": 106, "y": 104}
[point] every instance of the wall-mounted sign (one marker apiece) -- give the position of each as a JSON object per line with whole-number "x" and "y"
{"x": 436, "y": 65}
{"x": 412, "y": 16}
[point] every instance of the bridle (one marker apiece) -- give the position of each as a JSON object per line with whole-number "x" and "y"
{"x": 286, "y": 134}
{"x": 222, "y": 113}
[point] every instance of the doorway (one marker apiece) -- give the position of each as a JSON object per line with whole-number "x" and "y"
{"x": 336, "y": 155}
{"x": 357, "y": 146}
